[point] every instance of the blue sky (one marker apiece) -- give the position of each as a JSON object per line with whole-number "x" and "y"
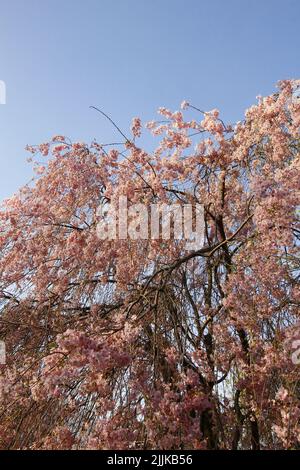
{"x": 58, "y": 57}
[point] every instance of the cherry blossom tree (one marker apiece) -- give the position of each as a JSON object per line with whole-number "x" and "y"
{"x": 141, "y": 344}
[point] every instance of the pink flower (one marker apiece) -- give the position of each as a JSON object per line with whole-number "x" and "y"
{"x": 136, "y": 127}
{"x": 282, "y": 394}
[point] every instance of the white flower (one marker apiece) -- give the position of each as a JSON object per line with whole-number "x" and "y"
{"x": 184, "y": 105}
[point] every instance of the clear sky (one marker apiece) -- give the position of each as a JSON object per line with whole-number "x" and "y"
{"x": 58, "y": 57}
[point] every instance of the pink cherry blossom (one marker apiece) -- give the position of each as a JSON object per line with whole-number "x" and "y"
{"x": 139, "y": 344}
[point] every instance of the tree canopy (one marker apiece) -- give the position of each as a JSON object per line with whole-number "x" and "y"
{"x": 141, "y": 344}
